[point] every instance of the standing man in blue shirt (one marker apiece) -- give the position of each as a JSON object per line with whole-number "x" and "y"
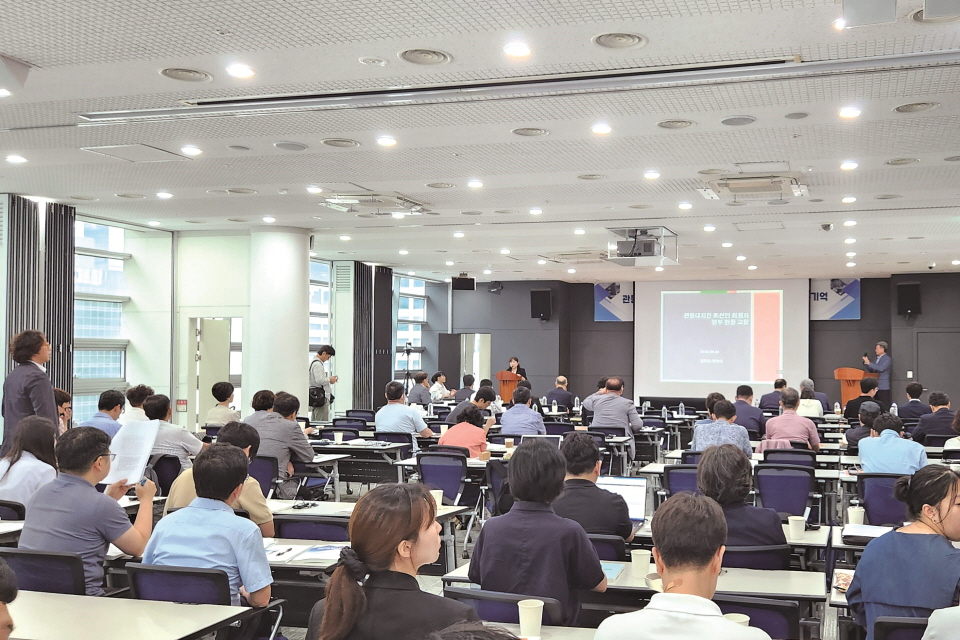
{"x": 109, "y": 408}
{"x": 886, "y": 450}
{"x": 881, "y": 366}
{"x": 520, "y": 419}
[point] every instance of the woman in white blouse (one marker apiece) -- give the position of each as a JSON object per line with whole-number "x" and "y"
{"x": 809, "y": 406}
{"x": 439, "y": 390}
{"x": 31, "y": 462}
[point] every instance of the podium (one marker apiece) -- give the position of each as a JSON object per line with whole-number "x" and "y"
{"x": 850, "y": 382}
{"x": 507, "y": 383}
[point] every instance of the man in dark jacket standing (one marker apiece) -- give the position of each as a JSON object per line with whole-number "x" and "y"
{"x": 27, "y": 391}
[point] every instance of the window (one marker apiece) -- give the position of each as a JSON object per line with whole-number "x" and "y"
{"x": 92, "y": 364}
{"x": 95, "y": 319}
{"x": 319, "y": 305}
{"x": 411, "y": 318}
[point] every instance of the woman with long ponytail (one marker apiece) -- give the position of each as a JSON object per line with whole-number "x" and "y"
{"x": 373, "y": 593}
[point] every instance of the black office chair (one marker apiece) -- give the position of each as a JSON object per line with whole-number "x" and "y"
{"x": 46, "y": 571}
{"x": 608, "y": 547}
{"x": 937, "y": 439}
{"x": 496, "y": 606}
{"x": 778, "y": 618}
{"x": 329, "y": 529}
{"x": 364, "y": 414}
{"x": 10, "y": 510}
{"x": 790, "y": 456}
{"x": 770, "y": 557}
{"x": 690, "y": 457}
{"x": 894, "y": 628}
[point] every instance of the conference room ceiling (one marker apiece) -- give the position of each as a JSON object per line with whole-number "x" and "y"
{"x": 105, "y": 55}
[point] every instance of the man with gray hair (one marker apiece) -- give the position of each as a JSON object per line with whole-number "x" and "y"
{"x": 807, "y": 383}
{"x": 881, "y": 366}
{"x": 560, "y": 395}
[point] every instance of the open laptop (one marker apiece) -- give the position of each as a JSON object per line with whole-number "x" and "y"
{"x": 633, "y": 490}
{"x": 555, "y": 439}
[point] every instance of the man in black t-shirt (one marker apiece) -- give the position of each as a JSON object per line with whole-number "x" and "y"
{"x": 868, "y": 391}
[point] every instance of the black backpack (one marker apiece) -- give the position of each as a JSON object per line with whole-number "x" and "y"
{"x": 318, "y": 396}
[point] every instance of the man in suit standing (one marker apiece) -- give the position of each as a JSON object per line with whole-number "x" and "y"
{"x": 819, "y": 395}
{"x": 881, "y": 366}
{"x": 940, "y": 422}
{"x": 914, "y": 408}
{"x": 771, "y": 401}
{"x": 749, "y": 416}
{"x": 27, "y": 391}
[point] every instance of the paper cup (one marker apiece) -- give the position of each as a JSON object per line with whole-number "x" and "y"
{"x": 531, "y": 616}
{"x": 854, "y": 515}
{"x": 508, "y": 442}
{"x": 654, "y": 582}
{"x": 338, "y": 436}
{"x": 741, "y": 619}
{"x": 639, "y": 562}
{"x": 797, "y": 526}
{"x": 437, "y": 496}
{"x": 443, "y": 428}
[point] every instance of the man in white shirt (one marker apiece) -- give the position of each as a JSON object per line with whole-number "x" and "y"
{"x": 397, "y": 417}
{"x": 172, "y": 439}
{"x": 689, "y": 532}
{"x": 135, "y": 397}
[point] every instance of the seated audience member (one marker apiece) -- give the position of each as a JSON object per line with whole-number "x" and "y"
{"x": 531, "y": 550}
{"x": 397, "y": 417}
{"x": 725, "y": 474}
{"x": 251, "y": 499}
{"x": 109, "y": 408}
{"x": 912, "y": 570}
{"x": 688, "y": 536}
{"x": 749, "y": 417}
{"x": 465, "y": 392}
{"x": 953, "y": 443}
{"x": 438, "y": 388}
{"x": 821, "y": 397}
{"x": 790, "y": 426}
{"x": 469, "y": 432}
{"x": 374, "y": 593}
{"x": 262, "y": 405}
{"x": 809, "y": 406}
{"x": 771, "y": 401}
{"x": 940, "y": 422}
{"x": 64, "y": 409}
{"x": 611, "y": 409}
{"x": 221, "y": 413}
{"x": 420, "y": 392}
{"x": 172, "y": 439}
{"x": 282, "y": 438}
{"x": 520, "y": 419}
{"x": 534, "y": 400}
{"x": 231, "y": 544}
{"x": 8, "y": 593}
{"x": 69, "y": 515}
{"x": 868, "y": 413}
{"x": 560, "y": 395}
{"x": 31, "y": 461}
{"x": 723, "y": 429}
{"x": 712, "y": 399}
{"x": 135, "y": 397}
{"x": 868, "y": 392}
{"x": 482, "y": 400}
{"x": 942, "y": 624}
{"x": 913, "y": 408}
{"x": 597, "y": 510}
{"x": 887, "y": 451}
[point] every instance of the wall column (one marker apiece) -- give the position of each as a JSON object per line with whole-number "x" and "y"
{"x": 275, "y": 338}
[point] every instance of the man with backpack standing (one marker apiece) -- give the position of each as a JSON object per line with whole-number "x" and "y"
{"x": 320, "y": 393}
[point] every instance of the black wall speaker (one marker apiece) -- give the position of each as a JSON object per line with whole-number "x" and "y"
{"x": 908, "y": 299}
{"x": 464, "y": 284}
{"x": 541, "y": 304}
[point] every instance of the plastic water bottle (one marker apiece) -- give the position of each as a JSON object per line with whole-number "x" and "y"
{"x": 893, "y": 409}
{"x": 780, "y": 412}
{"x": 683, "y": 411}
{"x": 554, "y": 406}
{"x": 836, "y": 408}
{"x": 543, "y": 400}
{"x": 665, "y": 416}
{"x": 498, "y": 399}
{"x": 576, "y": 403}
{"x": 756, "y": 402}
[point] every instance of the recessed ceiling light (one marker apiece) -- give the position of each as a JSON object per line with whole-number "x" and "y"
{"x": 386, "y": 141}
{"x": 15, "y": 159}
{"x": 458, "y": 234}
{"x": 536, "y": 211}
{"x": 579, "y": 232}
{"x": 685, "y": 206}
{"x": 726, "y": 245}
{"x": 398, "y": 215}
{"x": 601, "y": 128}
{"x": 191, "y": 150}
{"x": 517, "y": 50}
{"x": 850, "y": 223}
{"x": 738, "y": 121}
{"x": 848, "y": 165}
{"x": 571, "y": 270}
{"x": 344, "y": 238}
{"x": 851, "y": 254}
{"x": 658, "y": 268}
{"x": 848, "y": 200}
{"x": 449, "y": 263}
{"x": 955, "y": 262}
{"x": 851, "y": 264}
{"x": 651, "y": 174}
{"x": 850, "y": 241}
{"x": 269, "y": 219}
{"x": 314, "y": 189}
{"x": 839, "y": 24}
{"x": 505, "y": 251}
{"x": 741, "y": 258}
{"x": 674, "y": 124}
{"x": 541, "y": 262}
{"x": 487, "y": 272}
{"x": 914, "y": 107}
{"x": 752, "y": 267}
{"x": 313, "y": 254}
{"x": 370, "y": 60}
{"x": 474, "y": 184}
{"x": 850, "y": 112}
{"x": 153, "y": 223}
{"x": 620, "y": 40}
{"x": 403, "y": 252}
{"x": 164, "y": 195}
{"x": 709, "y": 227}
{"x": 240, "y": 71}
{"x": 4, "y": 93}
{"x": 530, "y": 132}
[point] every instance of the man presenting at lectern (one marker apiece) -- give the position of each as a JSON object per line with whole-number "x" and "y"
{"x": 881, "y": 366}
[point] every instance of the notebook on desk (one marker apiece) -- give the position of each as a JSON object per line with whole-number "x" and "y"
{"x": 633, "y": 490}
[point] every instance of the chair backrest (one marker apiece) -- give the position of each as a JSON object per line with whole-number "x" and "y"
{"x": 46, "y": 571}
{"x": 403, "y": 438}
{"x": 167, "y": 468}
{"x": 304, "y": 421}
{"x": 178, "y": 584}
{"x": 363, "y": 414}
{"x": 498, "y": 438}
{"x": 937, "y": 439}
{"x": 449, "y": 448}
{"x": 312, "y": 528}
{"x": 656, "y": 423}
{"x": 264, "y": 469}
{"x": 778, "y": 618}
{"x": 556, "y": 428}
{"x": 443, "y": 470}
{"x": 791, "y": 456}
{"x": 690, "y": 457}
{"x": 609, "y": 547}
{"x": 829, "y": 558}
{"x": 951, "y": 454}
{"x": 349, "y": 433}
{"x": 893, "y": 628}
{"x": 496, "y": 606}
{"x": 212, "y": 429}
{"x": 10, "y": 510}
{"x": 875, "y": 490}
{"x": 753, "y": 435}
{"x": 441, "y": 411}
{"x": 785, "y": 488}
{"x": 772, "y": 557}
{"x": 599, "y": 438}
{"x": 680, "y": 477}
{"x": 496, "y": 474}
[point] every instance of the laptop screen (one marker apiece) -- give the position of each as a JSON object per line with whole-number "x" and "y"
{"x": 633, "y": 490}
{"x": 554, "y": 439}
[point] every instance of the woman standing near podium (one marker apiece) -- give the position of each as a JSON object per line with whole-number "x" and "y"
{"x": 514, "y": 367}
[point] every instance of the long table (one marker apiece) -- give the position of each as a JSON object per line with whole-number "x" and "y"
{"x": 368, "y": 462}
{"x": 321, "y": 460}
{"x": 10, "y": 531}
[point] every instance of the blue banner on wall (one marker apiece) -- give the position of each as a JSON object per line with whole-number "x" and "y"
{"x": 835, "y": 299}
{"x": 613, "y": 302}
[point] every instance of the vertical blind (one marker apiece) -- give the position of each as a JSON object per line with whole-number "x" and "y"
{"x": 362, "y": 336}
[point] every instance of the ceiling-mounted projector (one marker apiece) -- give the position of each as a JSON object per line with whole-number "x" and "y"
{"x": 651, "y": 246}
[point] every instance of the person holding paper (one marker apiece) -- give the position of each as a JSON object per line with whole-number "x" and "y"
{"x": 69, "y": 515}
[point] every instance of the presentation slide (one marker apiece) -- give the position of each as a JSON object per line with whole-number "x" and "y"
{"x": 721, "y": 335}
{"x": 695, "y": 337}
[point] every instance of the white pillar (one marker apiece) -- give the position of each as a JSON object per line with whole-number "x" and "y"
{"x": 276, "y": 335}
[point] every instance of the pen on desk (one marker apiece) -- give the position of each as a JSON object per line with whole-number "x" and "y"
{"x": 284, "y": 551}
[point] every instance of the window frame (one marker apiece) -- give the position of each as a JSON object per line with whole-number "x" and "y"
{"x": 328, "y": 316}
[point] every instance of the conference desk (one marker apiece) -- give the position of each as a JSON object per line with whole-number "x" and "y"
{"x": 838, "y": 599}
{"x": 316, "y": 465}
{"x": 131, "y": 504}
{"x": 369, "y": 462}
{"x": 10, "y": 531}
{"x": 49, "y": 616}
{"x": 551, "y": 633}
{"x": 822, "y": 459}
